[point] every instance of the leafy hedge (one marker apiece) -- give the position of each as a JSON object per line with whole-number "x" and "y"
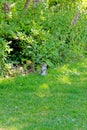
{"x": 44, "y": 33}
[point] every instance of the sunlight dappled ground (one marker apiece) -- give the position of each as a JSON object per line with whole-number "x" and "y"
{"x": 68, "y": 73}
{"x": 43, "y": 90}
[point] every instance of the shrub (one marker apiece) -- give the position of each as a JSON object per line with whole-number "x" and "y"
{"x": 4, "y": 51}
{"x": 43, "y": 34}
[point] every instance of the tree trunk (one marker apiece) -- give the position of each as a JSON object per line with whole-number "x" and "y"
{"x": 6, "y": 7}
{"x": 26, "y": 5}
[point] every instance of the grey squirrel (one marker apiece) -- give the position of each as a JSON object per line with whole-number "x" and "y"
{"x": 43, "y": 70}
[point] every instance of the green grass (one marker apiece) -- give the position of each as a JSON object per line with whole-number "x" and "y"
{"x": 57, "y": 101}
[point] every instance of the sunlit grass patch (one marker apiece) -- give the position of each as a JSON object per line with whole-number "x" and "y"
{"x": 43, "y": 90}
{"x": 64, "y": 79}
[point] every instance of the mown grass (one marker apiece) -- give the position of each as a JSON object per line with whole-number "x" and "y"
{"x": 57, "y": 101}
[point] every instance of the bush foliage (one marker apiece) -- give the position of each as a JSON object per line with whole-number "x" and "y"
{"x": 51, "y": 31}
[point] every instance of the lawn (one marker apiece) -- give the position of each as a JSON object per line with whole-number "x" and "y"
{"x": 57, "y": 101}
